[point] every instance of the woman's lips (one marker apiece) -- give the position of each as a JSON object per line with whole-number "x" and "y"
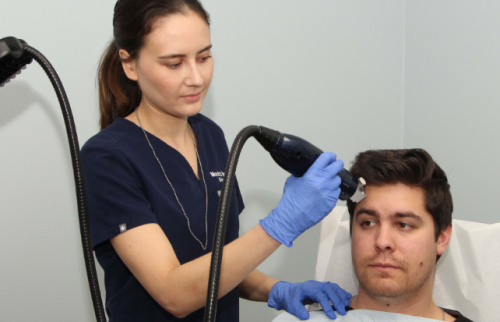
{"x": 192, "y": 97}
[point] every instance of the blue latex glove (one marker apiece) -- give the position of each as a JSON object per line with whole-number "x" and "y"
{"x": 306, "y": 200}
{"x": 292, "y": 297}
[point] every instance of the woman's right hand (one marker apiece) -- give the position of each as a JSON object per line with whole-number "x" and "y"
{"x": 306, "y": 200}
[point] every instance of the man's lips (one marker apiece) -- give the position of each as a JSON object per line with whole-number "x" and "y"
{"x": 384, "y": 266}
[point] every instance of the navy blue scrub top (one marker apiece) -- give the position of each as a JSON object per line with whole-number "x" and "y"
{"x": 126, "y": 188}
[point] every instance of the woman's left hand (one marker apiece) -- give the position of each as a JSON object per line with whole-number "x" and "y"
{"x": 293, "y": 296}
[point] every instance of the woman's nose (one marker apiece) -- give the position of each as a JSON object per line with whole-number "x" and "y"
{"x": 193, "y": 77}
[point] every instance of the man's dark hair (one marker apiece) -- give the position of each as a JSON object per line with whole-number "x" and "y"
{"x": 412, "y": 167}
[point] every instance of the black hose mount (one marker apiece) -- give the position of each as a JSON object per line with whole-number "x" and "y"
{"x": 15, "y": 54}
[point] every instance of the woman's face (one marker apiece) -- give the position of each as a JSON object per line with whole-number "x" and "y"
{"x": 174, "y": 68}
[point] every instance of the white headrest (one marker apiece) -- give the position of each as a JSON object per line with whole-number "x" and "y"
{"x": 467, "y": 275}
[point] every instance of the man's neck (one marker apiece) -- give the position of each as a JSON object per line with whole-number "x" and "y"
{"x": 420, "y": 305}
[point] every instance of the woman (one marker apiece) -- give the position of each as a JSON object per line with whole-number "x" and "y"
{"x": 154, "y": 172}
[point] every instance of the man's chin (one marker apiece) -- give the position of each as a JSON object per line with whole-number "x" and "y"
{"x": 383, "y": 287}
{"x": 384, "y": 292}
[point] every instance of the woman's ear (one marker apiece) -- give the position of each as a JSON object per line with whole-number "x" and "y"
{"x": 129, "y": 67}
{"x": 443, "y": 240}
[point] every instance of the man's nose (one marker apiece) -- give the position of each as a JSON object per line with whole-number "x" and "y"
{"x": 193, "y": 77}
{"x": 384, "y": 239}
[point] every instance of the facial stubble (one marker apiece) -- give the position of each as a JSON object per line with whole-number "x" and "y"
{"x": 401, "y": 284}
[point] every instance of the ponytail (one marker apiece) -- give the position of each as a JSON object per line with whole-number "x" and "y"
{"x": 118, "y": 95}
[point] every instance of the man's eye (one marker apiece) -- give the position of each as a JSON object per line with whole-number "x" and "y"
{"x": 368, "y": 223}
{"x": 404, "y": 226}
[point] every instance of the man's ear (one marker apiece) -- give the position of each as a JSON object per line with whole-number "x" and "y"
{"x": 129, "y": 67}
{"x": 443, "y": 240}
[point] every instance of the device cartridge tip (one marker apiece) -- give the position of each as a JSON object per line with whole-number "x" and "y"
{"x": 360, "y": 191}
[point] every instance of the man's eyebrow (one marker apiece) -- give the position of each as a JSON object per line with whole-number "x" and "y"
{"x": 408, "y": 214}
{"x": 366, "y": 211}
{"x": 183, "y": 55}
{"x": 399, "y": 214}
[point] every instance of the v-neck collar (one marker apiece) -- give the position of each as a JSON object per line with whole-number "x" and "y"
{"x": 176, "y": 154}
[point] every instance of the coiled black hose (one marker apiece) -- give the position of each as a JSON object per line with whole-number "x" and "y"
{"x": 79, "y": 183}
{"x": 221, "y": 223}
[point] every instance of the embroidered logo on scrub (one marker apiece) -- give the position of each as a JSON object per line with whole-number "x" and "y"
{"x": 218, "y": 174}
{"x": 123, "y": 227}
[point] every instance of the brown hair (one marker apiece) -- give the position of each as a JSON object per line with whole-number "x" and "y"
{"x": 412, "y": 167}
{"x": 133, "y": 21}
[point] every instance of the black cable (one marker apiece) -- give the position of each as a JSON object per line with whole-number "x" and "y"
{"x": 79, "y": 183}
{"x": 295, "y": 156}
{"x": 221, "y": 223}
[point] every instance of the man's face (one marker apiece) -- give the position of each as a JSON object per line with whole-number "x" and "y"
{"x": 393, "y": 242}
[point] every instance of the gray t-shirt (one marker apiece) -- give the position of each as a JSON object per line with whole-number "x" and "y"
{"x": 357, "y": 316}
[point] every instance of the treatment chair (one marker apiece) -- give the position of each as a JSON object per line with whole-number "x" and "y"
{"x": 467, "y": 275}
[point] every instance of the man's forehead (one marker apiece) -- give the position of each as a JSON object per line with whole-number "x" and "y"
{"x": 394, "y": 201}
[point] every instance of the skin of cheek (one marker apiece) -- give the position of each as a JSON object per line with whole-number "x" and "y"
{"x": 158, "y": 88}
{"x": 425, "y": 245}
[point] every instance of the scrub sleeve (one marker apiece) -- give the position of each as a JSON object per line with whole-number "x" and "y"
{"x": 126, "y": 188}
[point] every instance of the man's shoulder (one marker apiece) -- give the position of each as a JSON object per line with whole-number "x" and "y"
{"x": 456, "y": 314}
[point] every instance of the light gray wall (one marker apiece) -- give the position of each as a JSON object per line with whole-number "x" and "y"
{"x": 452, "y": 96}
{"x": 345, "y": 75}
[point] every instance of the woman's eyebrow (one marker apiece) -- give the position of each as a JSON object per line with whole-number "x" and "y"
{"x": 184, "y": 55}
{"x": 205, "y": 49}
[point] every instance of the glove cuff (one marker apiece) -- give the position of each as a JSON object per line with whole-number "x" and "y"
{"x": 275, "y": 295}
{"x": 268, "y": 227}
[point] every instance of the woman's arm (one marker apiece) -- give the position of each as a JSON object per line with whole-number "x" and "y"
{"x": 257, "y": 286}
{"x": 182, "y": 289}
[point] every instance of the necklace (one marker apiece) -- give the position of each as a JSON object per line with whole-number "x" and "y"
{"x": 175, "y": 194}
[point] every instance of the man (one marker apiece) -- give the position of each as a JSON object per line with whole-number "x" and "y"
{"x": 399, "y": 231}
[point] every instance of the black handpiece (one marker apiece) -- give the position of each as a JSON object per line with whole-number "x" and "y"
{"x": 296, "y": 155}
